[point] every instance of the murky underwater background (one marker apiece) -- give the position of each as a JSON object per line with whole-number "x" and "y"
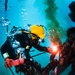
{"x": 52, "y": 14}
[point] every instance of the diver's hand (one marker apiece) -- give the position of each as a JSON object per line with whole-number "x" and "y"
{"x": 18, "y": 62}
{"x": 50, "y": 50}
{"x": 8, "y": 63}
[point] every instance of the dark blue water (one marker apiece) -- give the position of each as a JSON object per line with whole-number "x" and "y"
{"x": 23, "y": 12}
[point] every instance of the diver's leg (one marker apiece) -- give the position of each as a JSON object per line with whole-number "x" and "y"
{"x": 20, "y": 68}
{"x": 28, "y": 67}
{"x": 36, "y": 65}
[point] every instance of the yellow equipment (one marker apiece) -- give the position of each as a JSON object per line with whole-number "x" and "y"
{"x": 37, "y": 30}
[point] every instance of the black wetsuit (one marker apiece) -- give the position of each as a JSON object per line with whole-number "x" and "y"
{"x": 24, "y": 40}
{"x": 20, "y": 41}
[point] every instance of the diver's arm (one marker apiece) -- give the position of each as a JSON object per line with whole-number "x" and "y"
{"x": 4, "y": 52}
{"x": 40, "y": 48}
{"x": 5, "y": 55}
{"x": 43, "y": 48}
{"x": 9, "y": 62}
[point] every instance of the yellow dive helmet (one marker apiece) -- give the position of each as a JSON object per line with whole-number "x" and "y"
{"x": 38, "y": 30}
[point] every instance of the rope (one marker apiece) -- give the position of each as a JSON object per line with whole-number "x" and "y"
{"x": 38, "y": 54}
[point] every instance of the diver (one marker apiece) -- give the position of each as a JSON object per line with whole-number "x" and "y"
{"x": 67, "y": 54}
{"x": 16, "y": 48}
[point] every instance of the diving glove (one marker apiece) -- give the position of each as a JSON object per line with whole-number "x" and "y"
{"x": 10, "y": 62}
{"x": 50, "y": 50}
